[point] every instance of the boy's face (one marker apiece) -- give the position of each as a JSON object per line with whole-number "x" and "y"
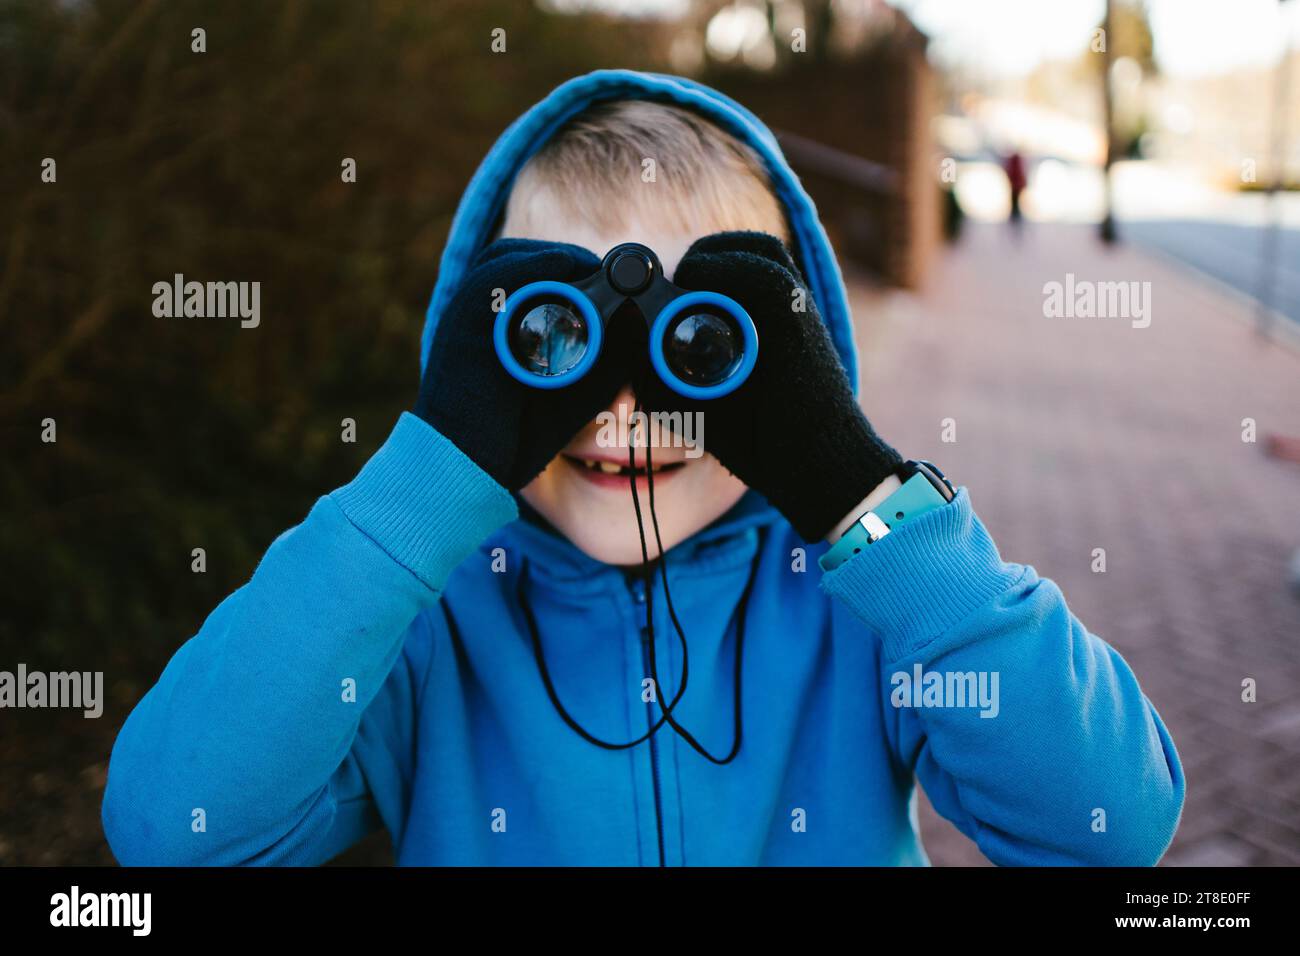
{"x": 594, "y": 509}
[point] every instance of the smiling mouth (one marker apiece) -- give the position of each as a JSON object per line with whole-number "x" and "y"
{"x": 604, "y": 471}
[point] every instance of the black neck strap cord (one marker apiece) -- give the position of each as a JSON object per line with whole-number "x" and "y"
{"x": 545, "y": 673}
{"x": 739, "y": 617}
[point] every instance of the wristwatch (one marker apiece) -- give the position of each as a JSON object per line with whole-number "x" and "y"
{"x": 924, "y": 488}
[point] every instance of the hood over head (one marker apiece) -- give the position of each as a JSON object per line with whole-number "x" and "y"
{"x": 484, "y": 199}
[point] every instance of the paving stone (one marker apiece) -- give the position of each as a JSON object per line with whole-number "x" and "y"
{"x": 1220, "y": 850}
{"x": 1084, "y": 433}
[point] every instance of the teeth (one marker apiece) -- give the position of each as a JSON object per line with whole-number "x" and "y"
{"x": 613, "y": 468}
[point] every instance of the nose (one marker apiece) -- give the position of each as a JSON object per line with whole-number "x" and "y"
{"x": 626, "y": 396}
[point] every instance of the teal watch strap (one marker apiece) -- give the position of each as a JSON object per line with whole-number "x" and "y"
{"x": 921, "y": 493}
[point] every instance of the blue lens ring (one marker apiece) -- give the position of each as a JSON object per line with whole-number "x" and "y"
{"x": 551, "y": 289}
{"x": 729, "y": 307}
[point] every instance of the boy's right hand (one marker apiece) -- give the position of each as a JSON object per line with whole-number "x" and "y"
{"x": 508, "y": 429}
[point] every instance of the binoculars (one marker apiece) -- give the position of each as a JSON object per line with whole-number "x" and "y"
{"x": 702, "y": 344}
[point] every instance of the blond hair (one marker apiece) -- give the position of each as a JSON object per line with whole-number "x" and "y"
{"x": 639, "y": 161}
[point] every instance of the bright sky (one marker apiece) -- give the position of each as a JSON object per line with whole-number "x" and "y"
{"x": 1013, "y": 36}
{"x": 1191, "y": 36}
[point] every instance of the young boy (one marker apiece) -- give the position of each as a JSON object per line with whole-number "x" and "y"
{"x": 488, "y": 687}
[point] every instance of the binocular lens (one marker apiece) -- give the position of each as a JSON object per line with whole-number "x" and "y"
{"x": 549, "y": 339}
{"x": 703, "y": 349}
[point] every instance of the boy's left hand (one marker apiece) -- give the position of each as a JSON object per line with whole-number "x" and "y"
{"x": 793, "y": 431}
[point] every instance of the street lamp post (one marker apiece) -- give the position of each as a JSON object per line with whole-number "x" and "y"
{"x": 1108, "y": 231}
{"x": 1270, "y": 238}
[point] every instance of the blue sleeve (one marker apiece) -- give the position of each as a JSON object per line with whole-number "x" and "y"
{"x": 1073, "y": 765}
{"x": 280, "y": 733}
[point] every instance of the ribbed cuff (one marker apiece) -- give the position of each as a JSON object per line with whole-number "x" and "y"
{"x": 924, "y": 578}
{"x": 424, "y": 502}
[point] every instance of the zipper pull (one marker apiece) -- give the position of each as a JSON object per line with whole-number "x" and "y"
{"x": 637, "y": 587}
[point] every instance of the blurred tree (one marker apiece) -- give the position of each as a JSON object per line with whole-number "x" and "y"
{"x": 1129, "y": 35}
{"x": 221, "y": 165}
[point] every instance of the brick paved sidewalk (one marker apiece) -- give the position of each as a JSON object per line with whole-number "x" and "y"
{"x": 1084, "y": 433}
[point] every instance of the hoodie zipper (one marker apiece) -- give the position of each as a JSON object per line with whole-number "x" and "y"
{"x": 639, "y": 597}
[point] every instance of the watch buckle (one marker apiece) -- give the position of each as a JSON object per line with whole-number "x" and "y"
{"x": 873, "y": 526}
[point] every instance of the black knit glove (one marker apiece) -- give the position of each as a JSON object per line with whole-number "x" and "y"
{"x": 508, "y": 429}
{"x": 793, "y": 431}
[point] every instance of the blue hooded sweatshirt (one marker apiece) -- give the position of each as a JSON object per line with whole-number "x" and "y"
{"x": 377, "y": 670}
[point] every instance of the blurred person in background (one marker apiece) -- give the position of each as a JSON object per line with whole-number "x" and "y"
{"x": 1014, "y": 167}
